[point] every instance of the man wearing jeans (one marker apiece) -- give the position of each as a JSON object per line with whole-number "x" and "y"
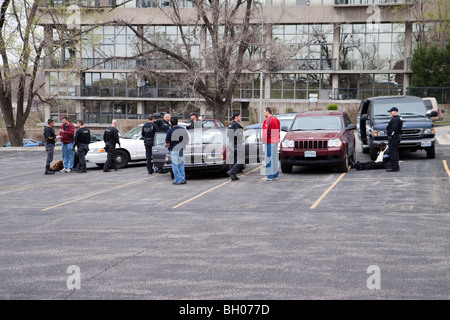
{"x": 271, "y": 138}
{"x": 67, "y": 134}
{"x": 176, "y": 140}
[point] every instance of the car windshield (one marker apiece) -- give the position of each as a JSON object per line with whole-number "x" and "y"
{"x": 405, "y": 109}
{"x": 134, "y": 133}
{"x": 317, "y": 123}
{"x": 286, "y": 122}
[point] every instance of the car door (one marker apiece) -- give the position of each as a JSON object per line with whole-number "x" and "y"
{"x": 349, "y": 134}
{"x": 159, "y": 149}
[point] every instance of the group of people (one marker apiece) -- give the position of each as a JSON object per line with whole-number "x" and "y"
{"x": 70, "y": 140}
{"x": 177, "y": 139}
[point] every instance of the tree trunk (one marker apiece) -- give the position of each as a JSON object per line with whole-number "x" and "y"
{"x": 15, "y": 136}
{"x": 220, "y": 111}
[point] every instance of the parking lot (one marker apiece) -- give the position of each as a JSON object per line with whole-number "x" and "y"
{"x": 312, "y": 234}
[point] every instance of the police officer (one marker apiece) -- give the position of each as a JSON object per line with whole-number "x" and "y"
{"x": 164, "y": 124}
{"x": 194, "y": 123}
{"x": 111, "y": 138}
{"x": 148, "y": 132}
{"x": 394, "y": 130}
{"x": 82, "y": 140}
{"x": 235, "y": 135}
{"x": 50, "y": 139}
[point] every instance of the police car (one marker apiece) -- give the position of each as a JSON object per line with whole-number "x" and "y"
{"x": 131, "y": 149}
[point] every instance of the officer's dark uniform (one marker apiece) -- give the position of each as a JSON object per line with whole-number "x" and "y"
{"x": 50, "y": 139}
{"x": 148, "y": 132}
{"x": 235, "y": 135}
{"x": 163, "y": 125}
{"x": 111, "y": 138}
{"x": 82, "y": 140}
{"x": 372, "y": 165}
{"x": 394, "y": 130}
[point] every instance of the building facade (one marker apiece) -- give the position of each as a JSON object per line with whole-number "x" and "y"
{"x": 347, "y": 50}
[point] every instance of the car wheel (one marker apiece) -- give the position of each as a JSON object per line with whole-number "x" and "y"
{"x": 121, "y": 158}
{"x": 364, "y": 149}
{"x": 431, "y": 152}
{"x": 373, "y": 152}
{"x": 286, "y": 168}
{"x": 344, "y": 166}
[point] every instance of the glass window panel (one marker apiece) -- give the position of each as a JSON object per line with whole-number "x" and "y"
{"x": 121, "y": 50}
{"x": 385, "y": 27}
{"x": 384, "y": 51}
{"x": 385, "y": 37}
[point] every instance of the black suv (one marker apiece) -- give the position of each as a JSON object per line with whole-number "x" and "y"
{"x": 417, "y": 132}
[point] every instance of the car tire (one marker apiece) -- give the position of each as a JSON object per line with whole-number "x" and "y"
{"x": 364, "y": 149}
{"x": 373, "y": 152}
{"x": 286, "y": 168}
{"x": 121, "y": 159}
{"x": 344, "y": 166}
{"x": 431, "y": 152}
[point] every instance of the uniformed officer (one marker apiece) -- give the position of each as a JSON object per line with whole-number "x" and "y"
{"x": 111, "y": 138}
{"x": 235, "y": 135}
{"x": 394, "y": 130}
{"x": 82, "y": 140}
{"x": 164, "y": 124}
{"x": 148, "y": 132}
{"x": 194, "y": 123}
{"x": 50, "y": 140}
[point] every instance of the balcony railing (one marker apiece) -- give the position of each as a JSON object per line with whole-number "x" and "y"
{"x": 132, "y": 92}
{"x": 368, "y": 2}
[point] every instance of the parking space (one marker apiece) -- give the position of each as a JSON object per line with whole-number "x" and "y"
{"x": 310, "y": 235}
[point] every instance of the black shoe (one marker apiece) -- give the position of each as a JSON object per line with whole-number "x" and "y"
{"x": 82, "y": 171}
{"x": 392, "y": 169}
{"x": 234, "y": 178}
{"x": 107, "y": 170}
{"x": 49, "y": 172}
{"x": 358, "y": 165}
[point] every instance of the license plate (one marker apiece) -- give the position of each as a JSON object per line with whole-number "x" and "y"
{"x": 310, "y": 154}
{"x": 426, "y": 143}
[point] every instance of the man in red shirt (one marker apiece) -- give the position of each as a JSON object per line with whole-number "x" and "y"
{"x": 271, "y": 139}
{"x": 67, "y": 134}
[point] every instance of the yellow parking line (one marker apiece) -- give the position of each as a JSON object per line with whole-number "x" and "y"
{"x": 212, "y": 189}
{"x": 97, "y": 193}
{"x": 326, "y": 192}
{"x": 446, "y": 167}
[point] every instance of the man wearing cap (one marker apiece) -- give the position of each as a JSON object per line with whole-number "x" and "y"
{"x": 236, "y": 151}
{"x": 194, "y": 123}
{"x": 394, "y": 130}
{"x": 379, "y": 163}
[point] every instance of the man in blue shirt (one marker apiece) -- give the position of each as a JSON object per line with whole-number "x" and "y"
{"x": 176, "y": 140}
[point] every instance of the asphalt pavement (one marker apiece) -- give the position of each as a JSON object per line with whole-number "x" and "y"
{"x": 313, "y": 234}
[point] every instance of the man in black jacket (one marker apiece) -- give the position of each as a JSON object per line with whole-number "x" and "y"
{"x": 235, "y": 135}
{"x": 394, "y": 130}
{"x": 164, "y": 124}
{"x": 148, "y": 132}
{"x": 50, "y": 139}
{"x": 111, "y": 138}
{"x": 82, "y": 140}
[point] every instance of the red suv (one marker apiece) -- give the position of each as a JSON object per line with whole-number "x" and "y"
{"x": 319, "y": 138}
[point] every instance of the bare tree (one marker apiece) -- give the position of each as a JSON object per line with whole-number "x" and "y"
{"x": 232, "y": 40}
